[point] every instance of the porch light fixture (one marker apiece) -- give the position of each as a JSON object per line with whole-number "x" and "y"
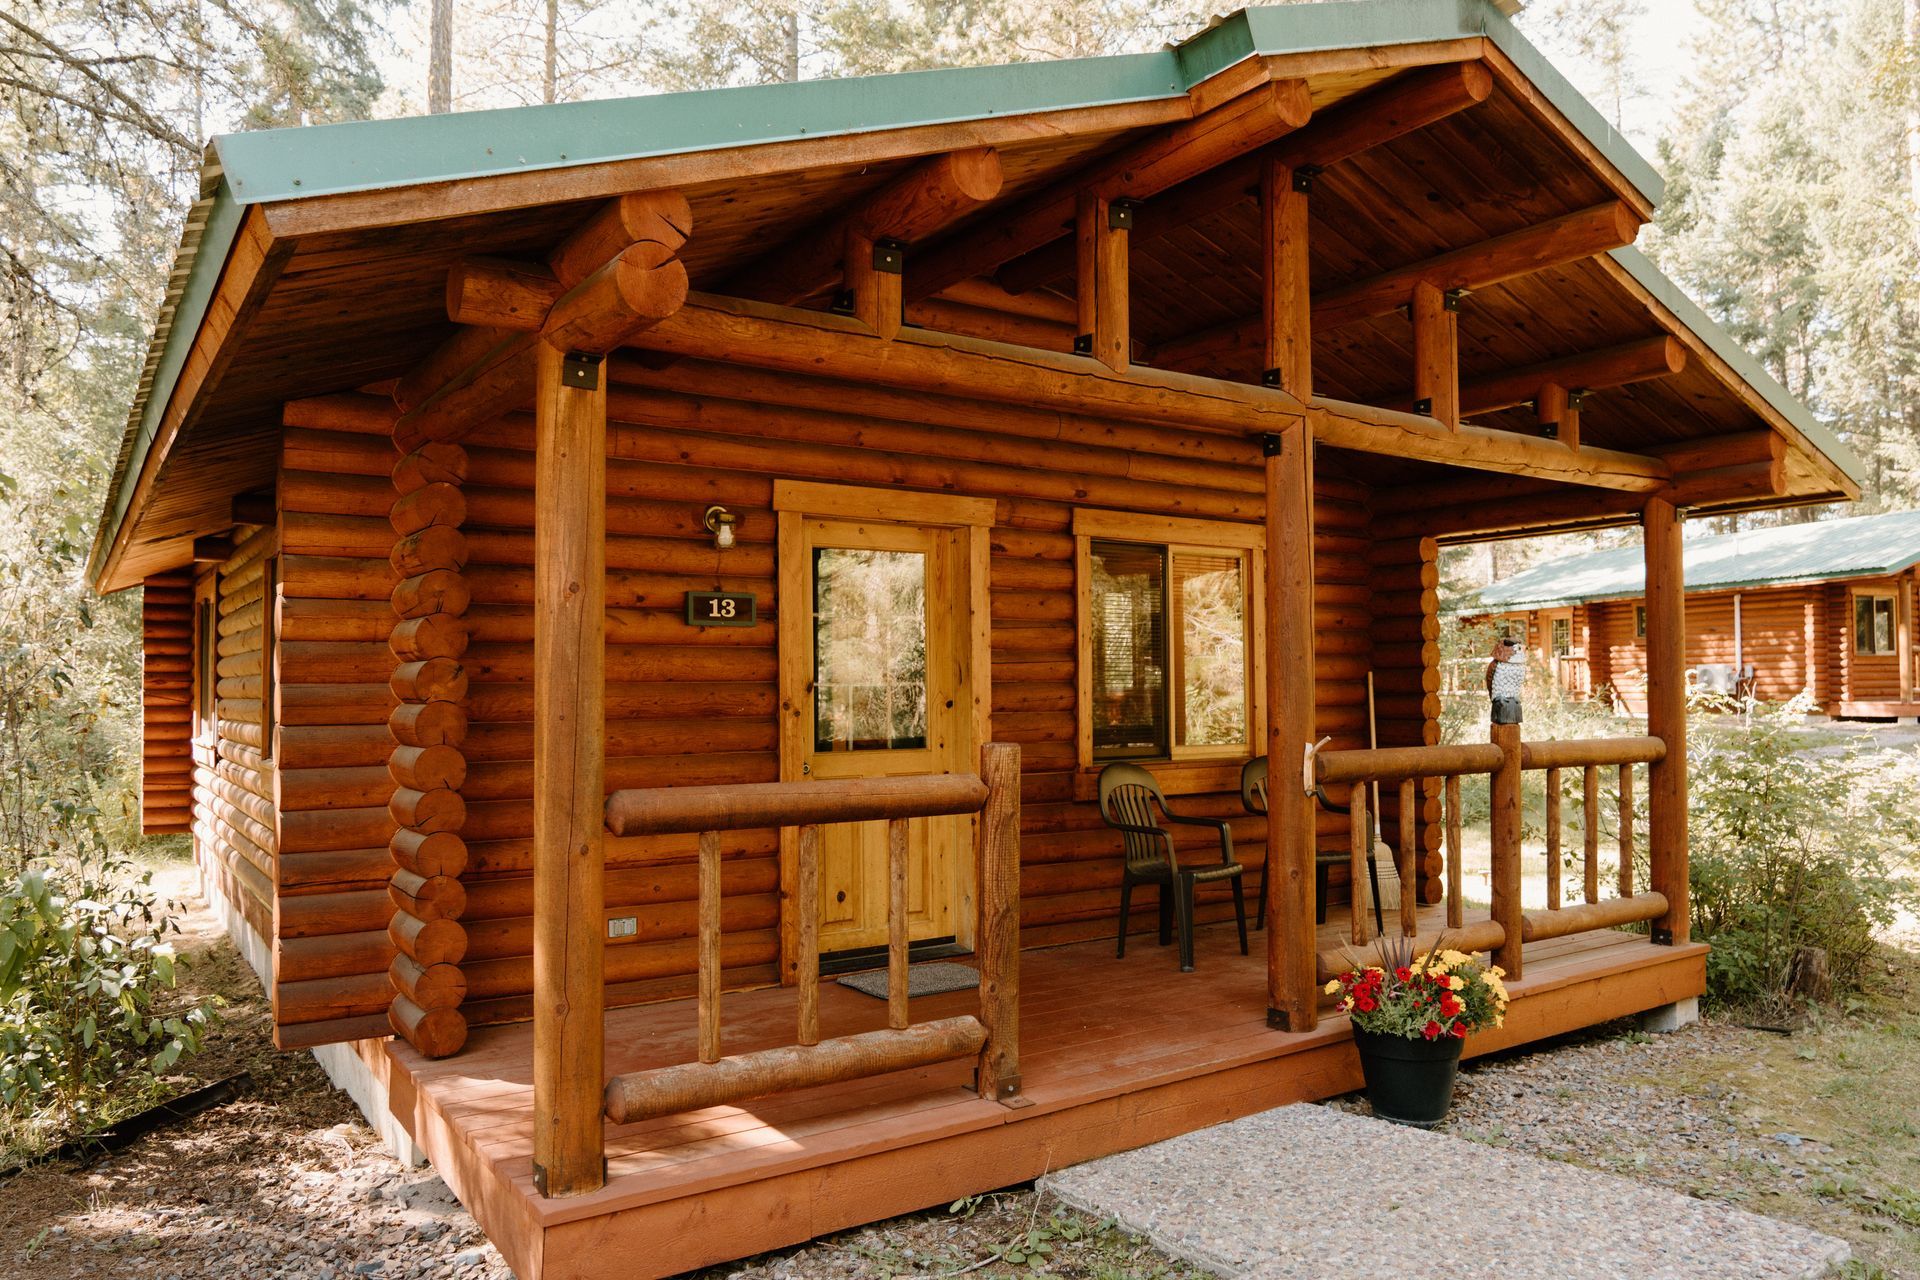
{"x": 719, "y": 522}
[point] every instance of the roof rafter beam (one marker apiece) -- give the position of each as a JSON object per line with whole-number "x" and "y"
{"x": 929, "y": 197}
{"x": 1140, "y": 169}
{"x": 1568, "y": 238}
{"x": 1405, "y": 104}
{"x": 1616, "y": 366}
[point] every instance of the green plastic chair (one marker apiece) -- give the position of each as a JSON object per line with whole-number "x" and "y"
{"x": 1253, "y": 795}
{"x": 1129, "y": 796}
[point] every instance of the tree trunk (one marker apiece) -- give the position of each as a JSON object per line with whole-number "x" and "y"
{"x": 440, "y": 59}
{"x": 1913, "y": 109}
{"x": 791, "y": 72}
{"x": 550, "y": 77}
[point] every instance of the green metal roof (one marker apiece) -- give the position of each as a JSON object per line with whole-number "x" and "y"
{"x": 291, "y": 164}
{"x": 1861, "y": 547}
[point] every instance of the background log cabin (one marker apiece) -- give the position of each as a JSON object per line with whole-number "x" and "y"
{"x": 1314, "y": 292}
{"x": 1824, "y": 610}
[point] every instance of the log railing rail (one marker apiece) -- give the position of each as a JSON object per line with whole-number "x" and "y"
{"x": 992, "y": 1037}
{"x": 1503, "y": 760}
{"x": 1590, "y": 756}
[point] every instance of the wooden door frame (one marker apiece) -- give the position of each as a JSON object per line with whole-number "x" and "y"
{"x": 970, "y": 521}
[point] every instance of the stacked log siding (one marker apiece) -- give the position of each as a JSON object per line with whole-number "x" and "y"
{"x": 166, "y": 704}
{"x": 692, "y": 705}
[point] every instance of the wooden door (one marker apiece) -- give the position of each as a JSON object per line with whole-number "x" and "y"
{"x": 884, "y": 665}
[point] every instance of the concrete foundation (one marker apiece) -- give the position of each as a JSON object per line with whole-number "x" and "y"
{"x": 1671, "y": 1017}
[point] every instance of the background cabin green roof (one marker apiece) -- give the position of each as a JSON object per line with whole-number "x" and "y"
{"x": 1862, "y": 547}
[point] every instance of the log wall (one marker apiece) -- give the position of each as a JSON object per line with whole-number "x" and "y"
{"x": 166, "y": 704}
{"x": 1404, "y": 621}
{"x": 234, "y": 820}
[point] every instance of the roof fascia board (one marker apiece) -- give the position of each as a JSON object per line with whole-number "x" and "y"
{"x": 224, "y": 217}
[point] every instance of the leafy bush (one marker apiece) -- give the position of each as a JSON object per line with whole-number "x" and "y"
{"x": 1793, "y": 847}
{"x": 86, "y": 1025}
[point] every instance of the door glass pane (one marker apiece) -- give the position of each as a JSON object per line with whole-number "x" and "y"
{"x": 1863, "y": 624}
{"x": 869, "y": 650}
{"x": 1562, "y": 637}
{"x": 1883, "y": 624}
{"x": 1210, "y": 599}
{"x": 1128, "y": 602}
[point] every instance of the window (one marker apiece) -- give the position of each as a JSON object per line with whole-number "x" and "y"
{"x": 1639, "y": 622}
{"x": 207, "y": 652}
{"x": 869, "y": 649}
{"x": 269, "y": 626}
{"x": 1169, "y": 628}
{"x": 1873, "y": 625}
{"x": 1562, "y": 637}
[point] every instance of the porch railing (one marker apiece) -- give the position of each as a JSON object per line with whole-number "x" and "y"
{"x": 1504, "y": 760}
{"x": 992, "y": 1037}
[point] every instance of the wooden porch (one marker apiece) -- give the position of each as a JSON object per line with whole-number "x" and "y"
{"x": 1115, "y": 1054}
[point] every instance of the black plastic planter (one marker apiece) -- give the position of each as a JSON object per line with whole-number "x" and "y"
{"x": 1409, "y": 1081}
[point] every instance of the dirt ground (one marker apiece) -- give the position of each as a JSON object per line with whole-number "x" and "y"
{"x": 1818, "y": 1126}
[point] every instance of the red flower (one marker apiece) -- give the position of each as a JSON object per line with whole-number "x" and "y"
{"x": 1403, "y": 973}
{"x": 1459, "y": 1031}
{"x": 1450, "y": 1005}
{"x": 1365, "y": 1003}
{"x": 1431, "y": 1031}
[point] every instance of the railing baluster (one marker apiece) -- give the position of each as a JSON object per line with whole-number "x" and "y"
{"x": 1357, "y": 851}
{"x": 709, "y": 946}
{"x": 897, "y": 923}
{"x": 1553, "y": 839}
{"x": 1456, "y": 905}
{"x": 1590, "y": 800}
{"x": 1626, "y": 831}
{"x": 1409, "y": 876}
{"x": 807, "y": 893}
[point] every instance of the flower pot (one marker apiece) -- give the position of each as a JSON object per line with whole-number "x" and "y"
{"x": 1409, "y": 1081}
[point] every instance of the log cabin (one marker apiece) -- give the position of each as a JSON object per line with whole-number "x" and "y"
{"x": 608, "y": 564}
{"x": 1821, "y": 611}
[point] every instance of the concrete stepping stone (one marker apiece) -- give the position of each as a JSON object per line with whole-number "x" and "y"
{"x": 1309, "y": 1193}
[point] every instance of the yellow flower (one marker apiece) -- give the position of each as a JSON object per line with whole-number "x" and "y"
{"x": 1333, "y": 988}
{"x": 1455, "y": 982}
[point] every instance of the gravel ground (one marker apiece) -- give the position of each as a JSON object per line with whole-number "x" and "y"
{"x": 1395, "y": 1198}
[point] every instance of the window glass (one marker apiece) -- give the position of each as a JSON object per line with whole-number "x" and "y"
{"x": 1210, "y": 599}
{"x": 209, "y": 655}
{"x": 870, "y": 650}
{"x": 1639, "y": 621}
{"x": 1873, "y": 624}
{"x": 1562, "y": 637}
{"x": 1127, "y": 601}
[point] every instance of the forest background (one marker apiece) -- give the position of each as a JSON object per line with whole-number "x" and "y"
{"x": 1788, "y": 130}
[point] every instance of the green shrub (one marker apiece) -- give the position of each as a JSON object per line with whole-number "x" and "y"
{"x": 87, "y": 1023}
{"x": 1794, "y": 847}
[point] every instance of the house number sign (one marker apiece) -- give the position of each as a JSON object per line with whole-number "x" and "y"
{"x": 722, "y": 608}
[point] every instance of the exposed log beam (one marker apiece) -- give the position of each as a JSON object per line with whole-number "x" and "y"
{"x": 484, "y": 371}
{"x": 1630, "y": 362}
{"x": 1141, "y": 169}
{"x": 1286, "y": 280}
{"x": 1102, "y": 297}
{"x": 1402, "y": 105}
{"x": 1558, "y": 414}
{"x": 926, "y": 199}
{"x": 1436, "y": 355}
{"x": 1365, "y": 429}
{"x": 783, "y": 338}
{"x": 1565, "y": 239}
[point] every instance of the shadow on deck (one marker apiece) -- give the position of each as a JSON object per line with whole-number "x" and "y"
{"x": 1115, "y": 1054}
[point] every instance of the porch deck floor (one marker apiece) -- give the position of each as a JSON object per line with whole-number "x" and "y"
{"x": 1114, "y": 1054}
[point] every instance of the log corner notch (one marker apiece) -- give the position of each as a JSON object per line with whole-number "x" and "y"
{"x": 614, "y": 276}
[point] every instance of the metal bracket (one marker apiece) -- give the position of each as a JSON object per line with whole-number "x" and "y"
{"x": 890, "y": 256}
{"x": 1120, "y": 215}
{"x": 1083, "y": 344}
{"x": 1550, "y": 430}
{"x": 1577, "y": 399}
{"x": 1271, "y": 378}
{"x": 842, "y": 304}
{"x": 581, "y": 370}
{"x": 1424, "y": 406}
{"x": 1270, "y": 445}
{"x": 1309, "y": 782}
{"x": 1303, "y": 177}
{"x": 1452, "y": 298}
{"x": 1662, "y": 937}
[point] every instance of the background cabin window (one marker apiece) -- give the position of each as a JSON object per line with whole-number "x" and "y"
{"x": 1873, "y": 623}
{"x": 870, "y": 650}
{"x": 1168, "y": 650}
{"x": 1562, "y": 637}
{"x": 207, "y": 650}
{"x": 1639, "y": 622}
{"x": 269, "y": 624}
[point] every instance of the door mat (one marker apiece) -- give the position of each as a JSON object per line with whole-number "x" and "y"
{"x": 922, "y": 980}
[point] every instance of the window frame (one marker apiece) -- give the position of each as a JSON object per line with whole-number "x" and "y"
{"x": 1639, "y": 622}
{"x": 1181, "y": 769}
{"x": 1876, "y": 595}
{"x": 1554, "y": 627}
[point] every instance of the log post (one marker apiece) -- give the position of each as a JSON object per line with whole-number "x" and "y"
{"x": 998, "y": 845}
{"x": 1105, "y": 320}
{"x": 1505, "y": 805}
{"x": 1662, "y": 526}
{"x": 569, "y": 802}
{"x": 1293, "y": 1000}
{"x": 1436, "y": 354}
{"x": 873, "y": 274}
